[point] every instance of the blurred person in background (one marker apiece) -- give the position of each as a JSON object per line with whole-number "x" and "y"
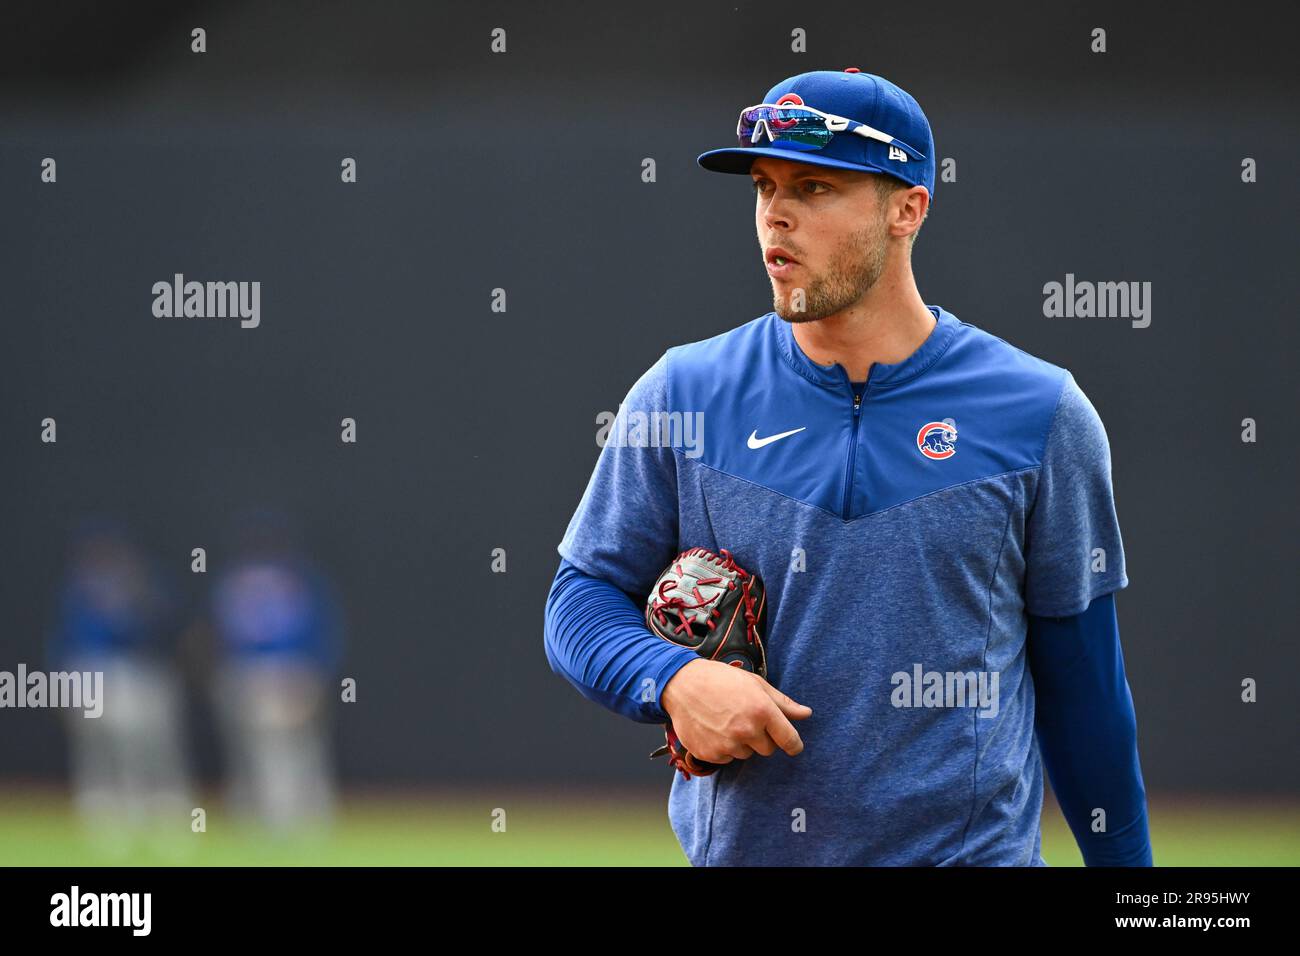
{"x": 118, "y": 614}
{"x": 277, "y": 633}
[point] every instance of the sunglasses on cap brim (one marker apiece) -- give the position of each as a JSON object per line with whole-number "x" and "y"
{"x": 803, "y": 127}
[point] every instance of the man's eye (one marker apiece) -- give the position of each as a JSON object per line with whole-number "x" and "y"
{"x": 809, "y": 184}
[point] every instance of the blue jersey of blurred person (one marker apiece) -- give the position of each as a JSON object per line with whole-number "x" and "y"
{"x": 272, "y": 606}
{"x": 114, "y": 601}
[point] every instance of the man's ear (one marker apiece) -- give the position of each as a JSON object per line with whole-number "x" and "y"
{"x": 912, "y": 204}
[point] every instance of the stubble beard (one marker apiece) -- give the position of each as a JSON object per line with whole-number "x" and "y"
{"x": 855, "y": 267}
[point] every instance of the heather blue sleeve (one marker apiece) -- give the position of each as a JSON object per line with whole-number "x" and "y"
{"x": 1087, "y": 732}
{"x": 596, "y": 637}
{"x": 625, "y": 527}
{"x": 618, "y": 542}
{"x": 1073, "y": 549}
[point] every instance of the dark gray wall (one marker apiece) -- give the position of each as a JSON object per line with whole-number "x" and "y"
{"x": 521, "y": 171}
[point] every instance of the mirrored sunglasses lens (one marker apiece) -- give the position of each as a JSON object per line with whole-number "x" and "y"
{"x": 794, "y": 126}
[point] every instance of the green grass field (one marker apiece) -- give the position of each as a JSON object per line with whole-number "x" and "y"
{"x": 39, "y": 829}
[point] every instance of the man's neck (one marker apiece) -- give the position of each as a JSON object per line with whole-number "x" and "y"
{"x": 886, "y": 331}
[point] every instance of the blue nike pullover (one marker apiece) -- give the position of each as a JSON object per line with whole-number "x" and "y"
{"x": 950, "y": 522}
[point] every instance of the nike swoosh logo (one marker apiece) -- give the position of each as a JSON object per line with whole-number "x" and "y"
{"x": 756, "y": 442}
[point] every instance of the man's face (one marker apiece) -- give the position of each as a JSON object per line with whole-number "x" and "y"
{"x": 831, "y": 222}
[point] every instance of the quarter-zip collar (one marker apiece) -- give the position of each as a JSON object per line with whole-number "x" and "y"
{"x": 881, "y": 374}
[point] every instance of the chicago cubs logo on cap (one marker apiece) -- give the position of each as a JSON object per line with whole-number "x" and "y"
{"x": 789, "y": 99}
{"x": 937, "y": 440}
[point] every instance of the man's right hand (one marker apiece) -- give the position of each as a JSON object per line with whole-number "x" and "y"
{"x": 723, "y": 713}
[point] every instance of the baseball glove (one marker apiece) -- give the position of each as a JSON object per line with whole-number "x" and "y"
{"x": 715, "y": 607}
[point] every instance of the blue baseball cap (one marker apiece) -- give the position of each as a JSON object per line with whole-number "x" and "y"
{"x": 904, "y": 151}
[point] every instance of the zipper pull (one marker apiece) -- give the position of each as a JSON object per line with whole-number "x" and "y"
{"x": 857, "y": 402}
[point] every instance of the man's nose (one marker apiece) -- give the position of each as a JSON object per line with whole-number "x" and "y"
{"x": 777, "y": 212}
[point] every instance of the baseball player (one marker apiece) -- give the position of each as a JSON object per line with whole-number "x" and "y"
{"x": 929, "y": 506}
{"x": 279, "y": 631}
{"x": 120, "y": 614}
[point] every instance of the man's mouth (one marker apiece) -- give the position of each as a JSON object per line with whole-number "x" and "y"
{"x": 780, "y": 265}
